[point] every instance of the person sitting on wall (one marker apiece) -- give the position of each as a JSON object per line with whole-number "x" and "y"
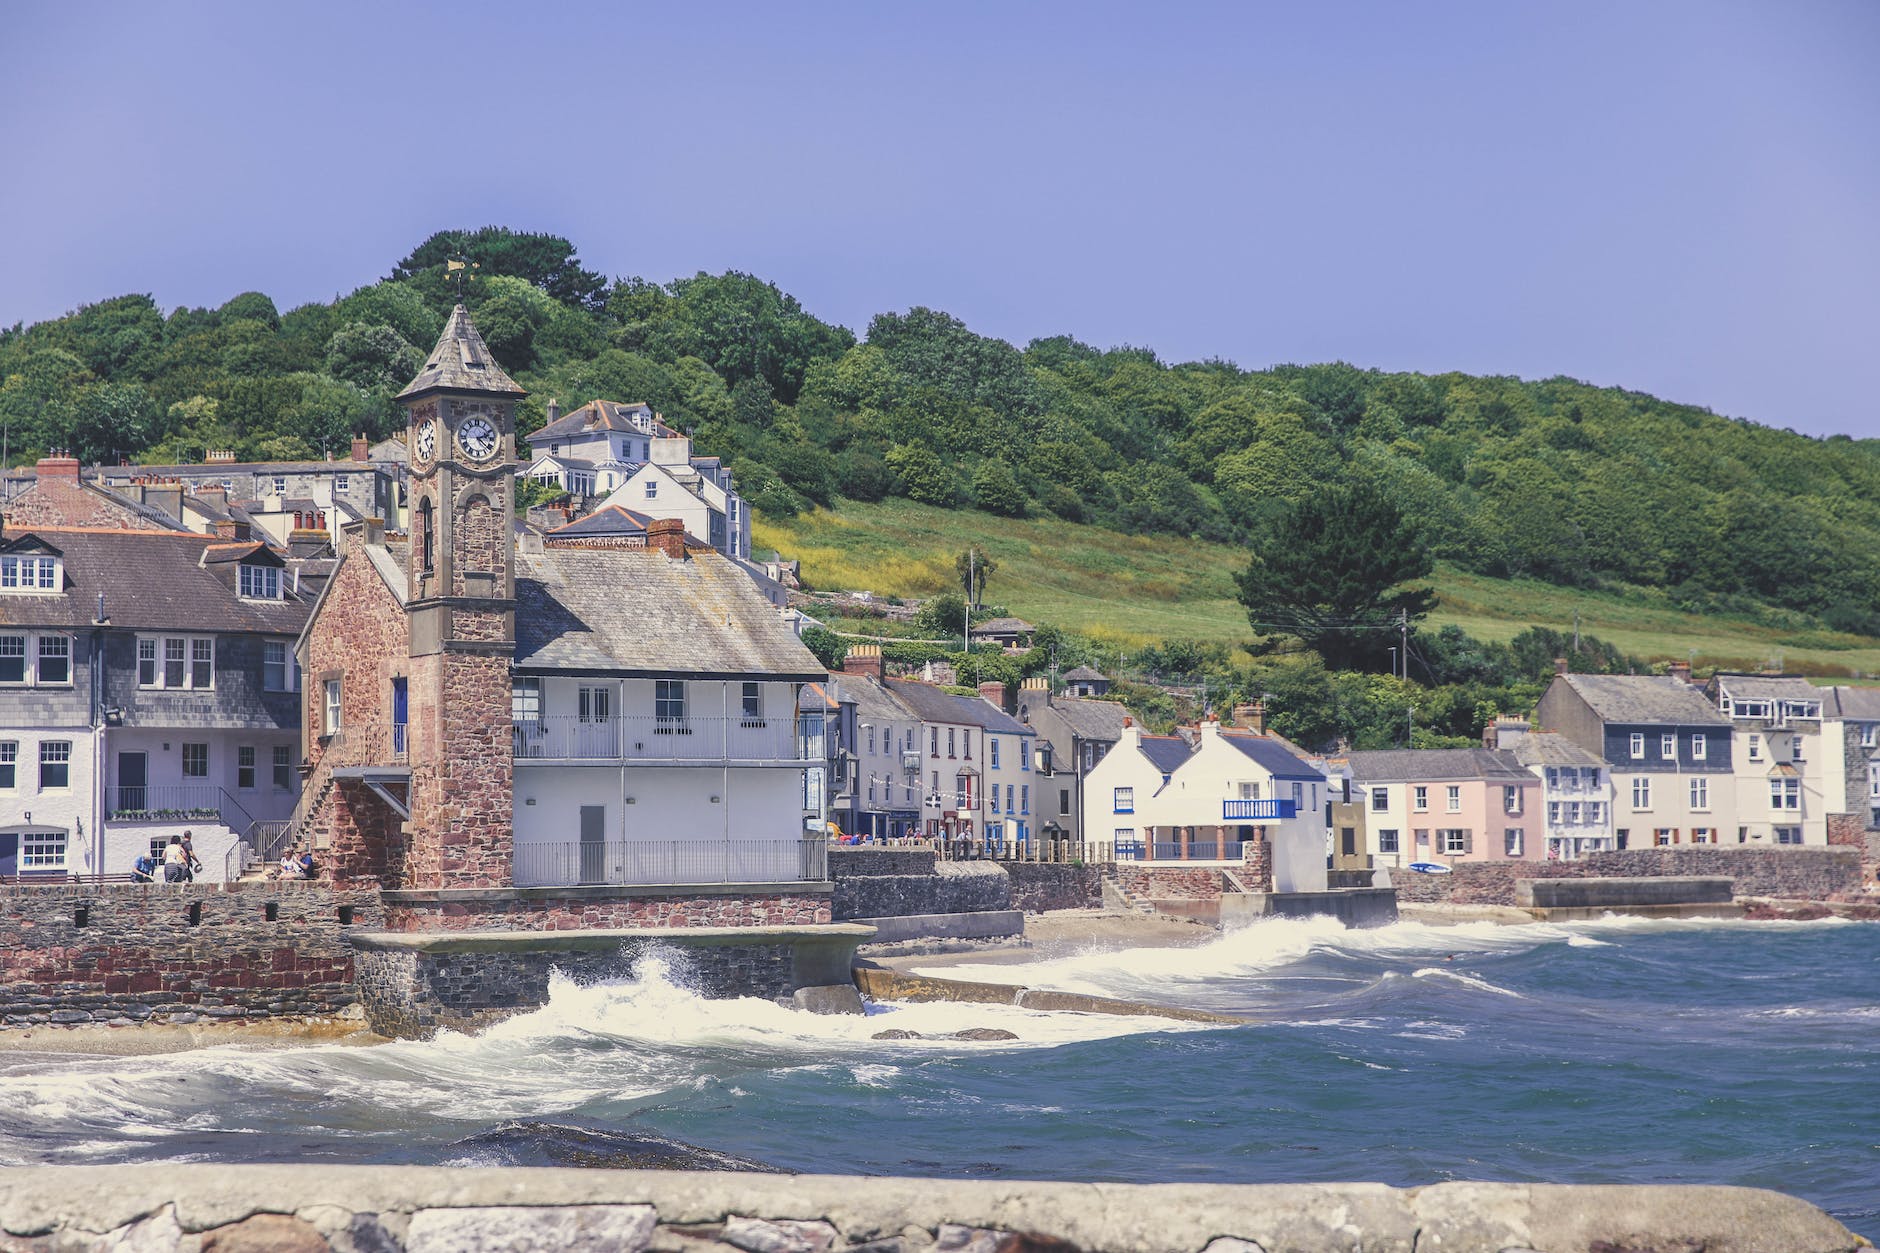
{"x": 144, "y": 869}
{"x": 175, "y": 861}
{"x": 289, "y": 867}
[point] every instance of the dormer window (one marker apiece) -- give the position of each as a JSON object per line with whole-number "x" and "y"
{"x": 260, "y": 582}
{"x": 30, "y": 574}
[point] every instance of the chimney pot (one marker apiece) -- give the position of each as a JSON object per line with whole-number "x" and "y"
{"x": 865, "y": 660}
{"x": 361, "y": 450}
{"x": 993, "y": 691}
{"x": 554, "y": 410}
{"x": 1681, "y": 671}
{"x": 58, "y": 466}
{"x": 1560, "y": 665}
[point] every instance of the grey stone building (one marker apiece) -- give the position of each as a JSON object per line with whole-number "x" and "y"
{"x": 1074, "y": 734}
{"x": 147, "y": 687}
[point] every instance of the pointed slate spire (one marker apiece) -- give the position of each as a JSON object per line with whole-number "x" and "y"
{"x": 461, "y": 362}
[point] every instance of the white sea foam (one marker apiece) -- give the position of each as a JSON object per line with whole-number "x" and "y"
{"x": 1467, "y": 980}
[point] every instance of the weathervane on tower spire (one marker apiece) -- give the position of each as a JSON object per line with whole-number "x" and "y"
{"x": 462, "y": 268}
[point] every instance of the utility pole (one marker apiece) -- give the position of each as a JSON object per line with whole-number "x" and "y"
{"x": 1576, "y": 628}
{"x": 1403, "y": 638}
{"x": 972, "y": 584}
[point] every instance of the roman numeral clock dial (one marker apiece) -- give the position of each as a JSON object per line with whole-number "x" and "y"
{"x": 478, "y": 438}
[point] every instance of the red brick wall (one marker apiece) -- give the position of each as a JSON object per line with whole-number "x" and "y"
{"x": 1257, "y": 874}
{"x": 576, "y": 913}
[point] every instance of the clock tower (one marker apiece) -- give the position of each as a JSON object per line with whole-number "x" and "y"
{"x": 460, "y": 606}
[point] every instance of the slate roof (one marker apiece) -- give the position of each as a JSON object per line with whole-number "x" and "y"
{"x": 872, "y": 701}
{"x": 603, "y": 415}
{"x": 636, "y": 611}
{"x": 1769, "y": 687}
{"x": 930, "y": 704}
{"x": 1166, "y": 752}
{"x": 392, "y": 449}
{"x": 152, "y": 580}
{"x": 817, "y": 696}
{"x": 1547, "y": 748}
{"x": 461, "y": 362}
{"x": 1636, "y": 699}
{"x": 1405, "y": 765}
{"x": 1004, "y": 626}
{"x": 1860, "y": 704}
{"x": 1271, "y": 756}
{"x": 1091, "y": 719}
{"x": 609, "y": 520}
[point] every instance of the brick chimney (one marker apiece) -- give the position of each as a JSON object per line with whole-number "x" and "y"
{"x": 219, "y": 456}
{"x": 1680, "y": 670}
{"x": 60, "y": 465}
{"x": 554, "y": 412}
{"x": 232, "y": 528}
{"x": 361, "y": 448}
{"x": 215, "y": 494}
{"x": 864, "y": 660}
{"x": 993, "y": 691}
{"x": 1253, "y": 716}
{"x": 668, "y": 536}
{"x": 1560, "y": 665}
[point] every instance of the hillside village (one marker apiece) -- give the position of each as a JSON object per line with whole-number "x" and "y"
{"x": 210, "y": 648}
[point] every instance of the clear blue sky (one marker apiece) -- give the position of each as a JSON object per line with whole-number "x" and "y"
{"x": 1682, "y": 198}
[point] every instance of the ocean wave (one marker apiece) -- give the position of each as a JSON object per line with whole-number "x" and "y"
{"x": 1467, "y": 980}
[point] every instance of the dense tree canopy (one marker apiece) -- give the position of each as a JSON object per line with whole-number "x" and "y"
{"x": 1553, "y": 479}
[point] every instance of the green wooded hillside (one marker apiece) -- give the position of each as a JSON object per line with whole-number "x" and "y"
{"x": 1556, "y": 481}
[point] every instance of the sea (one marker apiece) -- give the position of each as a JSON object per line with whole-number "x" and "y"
{"x": 1613, "y": 1051}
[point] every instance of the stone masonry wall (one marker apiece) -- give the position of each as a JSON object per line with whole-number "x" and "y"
{"x": 408, "y": 995}
{"x": 600, "y": 912}
{"x": 954, "y": 887}
{"x": 847, "y": 863}
{"x": 123, "y": 952}
{"x": 1795, "y": 873}
{"x": 1169, "y": 883}
{"x": 1041, "y": 886}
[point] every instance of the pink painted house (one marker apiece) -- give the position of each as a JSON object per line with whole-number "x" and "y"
{"x": 1448, "y": 805}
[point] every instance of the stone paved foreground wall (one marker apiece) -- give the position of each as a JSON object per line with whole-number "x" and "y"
{"x": 125, "y": 952}
{"x": 406, "y": 1209}
{"x": 951, "y": 887}
{"x": 1041, "y": 886}
{"x": 1796, "y": 873}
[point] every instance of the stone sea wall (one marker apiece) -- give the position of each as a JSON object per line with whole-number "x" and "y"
{"x": 1038, "y": 887}
{"x": 1794, "y": 873}
{"x": 950, "y": 887}
{"x": 605, "y": 908}
{"x": 308, "y": 1208}
{"x": 124, "y": 952}
{"x": 1170, "y": 883}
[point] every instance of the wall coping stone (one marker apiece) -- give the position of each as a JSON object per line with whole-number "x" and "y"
{"x": 172, "y": 1204}
{"x": 599, "y": 938}
{"x": 603, "y": 892}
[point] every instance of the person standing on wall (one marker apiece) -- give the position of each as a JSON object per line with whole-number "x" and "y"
{"x": 190, "y": 862}
{"x": 175, "y": 861}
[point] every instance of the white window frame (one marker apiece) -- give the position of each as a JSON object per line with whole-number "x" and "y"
{"x": 55, "y": 753}
{"x": 1641, "y": 794}
{"x": 1380, "y": 800}
{"x": 258, "y": 582}
{"x": 23, "y": 642}
{"x": 1700, "y": 746}
{"x": 1420, "y": 798}
{"x": 1452, "y": 798}
{"x": 1123, "y": 800}
{"x": 32, "y": 575}
{"x": 9, "y": 765}
{"x": 42, "y": 652}
{"x": 669, "y": 702}
{"x": 1511, "y": 798}
{"x": 43, "y": 850}
{"x": 1452, "y": 841}
{"x": 330, "y": 707}
{"x": 1511, "y": 841}
{"x": 186, "y": 652}
{"x": 245, "y": 768}
{"x": 1755, "y": 748}
{"x": 1638, "y": 746}
{"x": 1700, "y": 793}
{"x": 280, "y": 669}
{"x": 1668, "y": 746}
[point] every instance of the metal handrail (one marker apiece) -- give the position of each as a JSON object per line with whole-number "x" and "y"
{"x": 569, "y": 737}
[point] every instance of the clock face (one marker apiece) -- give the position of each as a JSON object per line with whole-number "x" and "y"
{"x": 426, "y": 443}
{"x": 478, "y": 439}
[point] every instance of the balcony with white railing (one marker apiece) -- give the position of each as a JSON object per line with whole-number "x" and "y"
{"x": 174, "y": 802}
{"x": 1258, "y": 811}
{"x": 581, "y": 863}
{"x": 561, "y": 738}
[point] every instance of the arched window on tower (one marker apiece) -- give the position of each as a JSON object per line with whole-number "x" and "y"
{"x": 425, "y": 531}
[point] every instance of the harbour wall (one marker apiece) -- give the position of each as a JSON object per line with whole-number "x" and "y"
{"x": 412, "y": 984}
{"x": 124, "y": 953}
{"x": 311, "y": 1208}
{"x": 1789, "y": 873}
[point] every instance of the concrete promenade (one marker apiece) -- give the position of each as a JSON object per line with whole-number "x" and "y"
{"x": 358, "y": 1209}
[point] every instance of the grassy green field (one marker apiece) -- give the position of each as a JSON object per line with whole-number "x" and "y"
{"x": 1133, "y": 589}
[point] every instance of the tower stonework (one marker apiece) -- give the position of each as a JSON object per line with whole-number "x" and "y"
{"x": 461, "y": 610}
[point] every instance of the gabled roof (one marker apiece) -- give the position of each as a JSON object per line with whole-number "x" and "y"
{"x": 1084, "y": 674}
{"x": 461, "y": 362}
{"x": 1636, "y": 699}
{"x": 636, "y": 611}
{"x": 1091, "y": 719}
{"x": 819, "y": 697}
{"x": 1166, "y": 752}
{"x": 392, "y": 449}
{"x": 605, "y": 415}
{"x": 1546, "y": 748}
{"x": 607, "y": 520}
{"x": 1414, "y": 765}
{"x": 1859, "y": 704}
{"x": 930, "y": 704}
{"x": 155, "y": 580}
{"x": 1271, "y": 756}
{"x": 872, "y": 701}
